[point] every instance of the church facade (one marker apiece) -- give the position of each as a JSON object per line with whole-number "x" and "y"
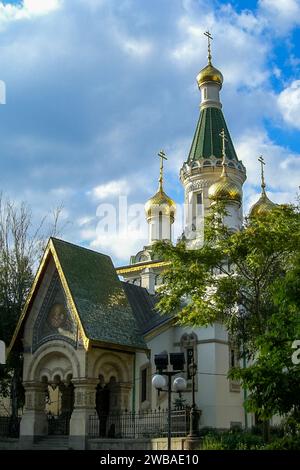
{"x": 90, "y": 331}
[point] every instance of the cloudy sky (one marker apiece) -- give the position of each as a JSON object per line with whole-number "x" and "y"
{"x": 95, "y": 88}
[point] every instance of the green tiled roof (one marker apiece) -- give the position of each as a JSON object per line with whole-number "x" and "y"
{"x": 97, "y": 292}
{"x": 207, "y": 141}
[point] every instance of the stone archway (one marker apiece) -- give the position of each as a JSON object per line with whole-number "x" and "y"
{"x": 50, "y": 372}
{"x": 116, "y": 374}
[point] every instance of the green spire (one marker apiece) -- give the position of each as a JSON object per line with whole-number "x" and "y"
{"x": 206, "y": 142}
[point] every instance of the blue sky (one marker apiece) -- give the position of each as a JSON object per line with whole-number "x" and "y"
{"x": 96, "y": 87}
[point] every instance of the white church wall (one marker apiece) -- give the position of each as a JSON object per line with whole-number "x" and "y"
{"x": 162, "y": 343}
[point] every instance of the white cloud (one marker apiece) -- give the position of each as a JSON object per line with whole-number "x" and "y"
{"x": 113, "y": 86}
{"x": 84, "y": 220}
{"x": 237, "y": 51}
{"x": 110, "y": 189}
{"x": 139, "y": 49}
{"x": 62, "y": 192}
{"x": 289, "y": 104}
{"x": 281, "y": 170}
{"x": 28, "y": 9}
{"x": 280, "y": 15}
{"x": 40, "y": 7}
{"x": 121, "y": 245}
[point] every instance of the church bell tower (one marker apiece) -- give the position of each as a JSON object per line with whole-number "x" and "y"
{"x": 212, "y": 171}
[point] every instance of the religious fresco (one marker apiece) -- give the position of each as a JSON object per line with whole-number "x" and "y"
{"x": 54, "y": 320}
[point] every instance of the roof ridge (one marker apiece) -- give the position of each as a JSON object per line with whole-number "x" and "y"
{"x": 60, "y": 240}
{"x": 145, "y": 290}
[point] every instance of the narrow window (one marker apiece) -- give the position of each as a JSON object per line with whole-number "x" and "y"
{"x": 232, "y": 358}
{"x": 144, "y": 385}
{"x": 160, "y": 226}
{"x": 199, "y": 203}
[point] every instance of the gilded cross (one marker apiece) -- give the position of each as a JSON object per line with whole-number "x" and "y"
{"x": 162, "y": 157}
{"x": 224, "y": 140}
{"x": 262, "y": 163}
{"x": 209, "y": 37}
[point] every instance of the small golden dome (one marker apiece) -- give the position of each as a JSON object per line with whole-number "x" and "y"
{"x": 209, "y": 74}
{"x": 160, "y": 202}
{"x": 225, "y": 190}
{"x": 262, "y": 206}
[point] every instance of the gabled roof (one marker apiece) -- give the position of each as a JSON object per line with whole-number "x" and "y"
{"x": 143, "y": 306}
{"x": 207, "y": 141}
{"x": 95, "y": 294}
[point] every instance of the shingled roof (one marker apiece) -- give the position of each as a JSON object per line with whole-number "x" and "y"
{"x": 101, "y": 303}
{"x": 207, "y": 141}
{"x": 143, "y": 306}
{"x": 96, "y": 296}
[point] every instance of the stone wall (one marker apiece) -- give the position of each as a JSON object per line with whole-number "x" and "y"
{"x": 136, "y": 444}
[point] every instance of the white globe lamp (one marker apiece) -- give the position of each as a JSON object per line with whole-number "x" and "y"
{"x": 158, "y": 381}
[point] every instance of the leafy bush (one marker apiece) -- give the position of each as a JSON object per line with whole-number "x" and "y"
{"x": 232, "y": 440}
{"x": 208, "y": 430}
{"x": 284, "y": 443}
{"x": 282, "y": 438}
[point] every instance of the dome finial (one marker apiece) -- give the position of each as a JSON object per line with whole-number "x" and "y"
{"x": 209, "y": 37}
{"x": 224, "y": 140}
{"x": 263, "y": 205}
{"x": 263, "y": 184}
{"x": 209, "y": 73}
{"x": 224, "y": 189}
{"x": 162, "y": 157}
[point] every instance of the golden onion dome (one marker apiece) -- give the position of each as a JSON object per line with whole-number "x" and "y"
{"x": 225, "y": 190}
{"x": 160, "y": 202}
{"x": 262, "y": 206}
{"x": 209, "y": 74}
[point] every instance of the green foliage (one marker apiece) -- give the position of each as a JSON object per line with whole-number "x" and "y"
{"x": 21, "y": 245}
{"x": 248, "y": 280}
{"x": 284, "y": 443}
{"x": 232, "y": 440}
{"x": 248, "y": 440}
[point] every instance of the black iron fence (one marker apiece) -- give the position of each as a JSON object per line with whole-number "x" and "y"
{"x": 9, "y": 426}
{"x": 139, "y": 425}
{"x": 59, "y": 425}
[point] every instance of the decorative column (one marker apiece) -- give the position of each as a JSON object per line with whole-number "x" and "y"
{"x": 124, "y": 390}
{"x": 34, "y": 420}
{"x": 148, "y": 280}
{"x": 84, "y": 407}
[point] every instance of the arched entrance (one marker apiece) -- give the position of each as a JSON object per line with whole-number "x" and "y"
{"x": 59, "y": 404}
{"x": 49, "y": 394}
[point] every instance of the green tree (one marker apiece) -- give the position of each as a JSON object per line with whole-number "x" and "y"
{"x": 21, "y": 244}
{"x": 240, "y": 279}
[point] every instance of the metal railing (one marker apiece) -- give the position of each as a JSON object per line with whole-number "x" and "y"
{"x": 9, "y": 426}
{"x": 129, "y": 425}
{"x": 59, "y": 425}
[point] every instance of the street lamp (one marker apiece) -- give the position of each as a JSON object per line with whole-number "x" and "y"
{"x": 159, "y": 382}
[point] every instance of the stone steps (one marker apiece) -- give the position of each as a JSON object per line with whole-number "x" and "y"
{"x": 52, "y": 443}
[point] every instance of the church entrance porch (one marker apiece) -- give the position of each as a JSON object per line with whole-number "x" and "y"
{"x": 59, "y": 405}
{"x": 49, "y": 395}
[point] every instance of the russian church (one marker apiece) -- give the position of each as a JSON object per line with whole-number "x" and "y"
{"x": 89, "y": 331}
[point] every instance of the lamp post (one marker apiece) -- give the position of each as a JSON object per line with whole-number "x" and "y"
{"x": 159, "y": 382}
{"x": 194, "y": 414}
